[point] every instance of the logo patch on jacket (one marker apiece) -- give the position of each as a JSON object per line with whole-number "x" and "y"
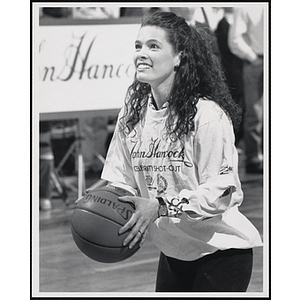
{"x": 225, "y": 170}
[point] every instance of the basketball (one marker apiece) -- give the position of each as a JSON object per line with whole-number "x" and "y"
{"x": 95, "y": 222}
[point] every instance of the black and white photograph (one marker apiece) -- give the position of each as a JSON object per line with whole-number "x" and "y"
{"x": 150, "y": 149}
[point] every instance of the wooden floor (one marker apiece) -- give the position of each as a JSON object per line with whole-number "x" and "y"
{"x": 64, "y": 269}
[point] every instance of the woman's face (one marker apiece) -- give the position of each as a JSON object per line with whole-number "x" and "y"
{"x": 154, "y": 57}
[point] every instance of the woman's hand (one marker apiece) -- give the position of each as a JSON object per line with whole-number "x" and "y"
{"x": 145, "y": 213}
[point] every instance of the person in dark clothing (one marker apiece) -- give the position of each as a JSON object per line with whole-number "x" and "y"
{"x": 233, "y": 65}
{"x": 46, "y": 166}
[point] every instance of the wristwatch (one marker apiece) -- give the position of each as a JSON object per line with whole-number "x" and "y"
{"x": 162, "y": 208}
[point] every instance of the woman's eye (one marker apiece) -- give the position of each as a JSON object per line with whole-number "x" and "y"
{"x": 154, "y": 46}
{"x": 137, "y": 46}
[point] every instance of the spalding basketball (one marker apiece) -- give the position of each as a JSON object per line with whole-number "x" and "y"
{"x": 96, "y": 221}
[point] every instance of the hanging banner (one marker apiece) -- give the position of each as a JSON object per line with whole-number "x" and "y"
{"x": 83, "y": 67}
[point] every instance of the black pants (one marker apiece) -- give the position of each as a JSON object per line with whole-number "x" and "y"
{"x": 223, "y": 271}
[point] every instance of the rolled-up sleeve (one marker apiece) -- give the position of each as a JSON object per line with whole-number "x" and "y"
{"x": 217, "y": 173}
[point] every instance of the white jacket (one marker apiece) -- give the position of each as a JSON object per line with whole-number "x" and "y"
{"x": 198, "y": 177}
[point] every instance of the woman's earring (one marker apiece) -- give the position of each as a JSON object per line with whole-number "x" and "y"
{"x": 177, "y": 66}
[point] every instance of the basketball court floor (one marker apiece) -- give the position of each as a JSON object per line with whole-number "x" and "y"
{"x": 64, "y": 269}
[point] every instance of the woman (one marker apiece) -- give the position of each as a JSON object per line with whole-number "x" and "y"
{"x": 173, "y": 148}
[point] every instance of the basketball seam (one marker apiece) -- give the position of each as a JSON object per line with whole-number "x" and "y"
{"x": 129, "y": 254}
{"x": 94, "y": 244}
{"x": 105, "y": 189}
{"x": 91, "y": 211}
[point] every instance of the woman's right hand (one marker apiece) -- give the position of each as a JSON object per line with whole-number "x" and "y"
{"x": 145, "y": 213}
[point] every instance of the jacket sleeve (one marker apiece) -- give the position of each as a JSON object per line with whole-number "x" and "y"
{"x": 118, "y": 168}
{"x": 216, "y": 161}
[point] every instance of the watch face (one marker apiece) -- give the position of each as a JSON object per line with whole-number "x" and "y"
{"x": 163, "y": 210}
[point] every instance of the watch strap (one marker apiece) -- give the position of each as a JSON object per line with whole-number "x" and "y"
{"x": 162, "y": 208}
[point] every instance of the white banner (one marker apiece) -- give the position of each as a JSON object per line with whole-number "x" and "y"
{"x": 83, "y": 67}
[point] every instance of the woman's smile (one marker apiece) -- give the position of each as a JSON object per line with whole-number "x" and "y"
{"x": 143, "y": 66}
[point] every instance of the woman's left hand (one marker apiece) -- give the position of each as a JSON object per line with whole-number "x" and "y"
{"x": 145, "y": 213}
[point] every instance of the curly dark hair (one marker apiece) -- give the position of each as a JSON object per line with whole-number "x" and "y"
{"x": 199, "y": 75}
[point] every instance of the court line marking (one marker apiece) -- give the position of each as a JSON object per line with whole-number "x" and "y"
{"x": 127, "y": 265}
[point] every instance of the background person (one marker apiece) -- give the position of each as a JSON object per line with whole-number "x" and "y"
{"x": 46, "y": 166}
{"x": 233, "y": 65}
{"x": 246, "y": 41}
{"x": 108, "y": 12}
